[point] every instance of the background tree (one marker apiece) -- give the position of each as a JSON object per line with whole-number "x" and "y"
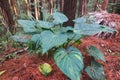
{"x": 80, "y": 8}
{"x": 33, "y": 8}
{"x": 27, "y": 7}
{"x": 104, "y": 5}
{"x": 7, "y": 14}
{"x": 70, "y": 11}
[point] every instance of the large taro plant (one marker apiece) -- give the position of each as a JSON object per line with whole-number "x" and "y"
{"x": 50, "y": 35}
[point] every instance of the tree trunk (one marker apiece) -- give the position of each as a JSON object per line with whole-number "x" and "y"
{"x": 80, "y": 8}
{"x": 61, "y": 2}
{"x": 104, "y": 5}
{"x": 36, "y": 9}
{"x": 7, "y": 14}
{"x": 14, "y": 7}
{"x": 51, "y": 6}
{"x": 83, "y": 7}
{"x": 40, "y": 11}
{"x": 32, "y": 8}
{"x": 27, "y": 7}
{"x": 56, "y": 4}
{"x": 70, "y": 10}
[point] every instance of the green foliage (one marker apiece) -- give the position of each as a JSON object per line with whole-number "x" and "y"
{"x": 70, "y": 62}
{"x": 46, "y": 25}
{"x": 21, "y": 37}
{"x": 96, "y": 53}
{"x": 35, "y": 38}
{"x": 28, "y": 26}
{"x": 84, "y": 28}
{"x": 59, "y": 18}
{"x": 96, "y": 71}
{"x": 45, "y": 36}
{"x": 80, "y": 20}
{"x": 54, "y": 40}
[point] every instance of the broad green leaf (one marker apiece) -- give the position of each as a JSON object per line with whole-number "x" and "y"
{"x": 21, "y": 37}
{"x": 59, "y": 18}
{"x": 96, "y": 71}
{"x": 96, "y": 53}
{"x": 28, "y": 26}
{"x": 46, "y": 25}
{"x": 2, "y": 72}
{"x": 77, "y": 37}
{"x": 56, "y": 29}
{"x": 90, "y": 29}
{"x": 70, "y": 35}
{"x": 107, "y": 29}
{"x": 80, "y": 20}
{"x": 73, "y": 36}
{"x": 67, "y": 29}
{"x": 35, "y": 37}
{"x": 50, "y": 40}
{"x": 70, "y": 62}
{"x": 86, "y": 29}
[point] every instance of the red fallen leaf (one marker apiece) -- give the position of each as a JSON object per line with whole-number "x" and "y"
{"x": 15, "y": 78}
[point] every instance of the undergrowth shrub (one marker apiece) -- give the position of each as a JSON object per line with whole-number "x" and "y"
{"x": 50, "y": 34}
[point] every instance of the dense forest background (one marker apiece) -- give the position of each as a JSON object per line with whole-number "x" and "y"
{"x": 11, "y": 10}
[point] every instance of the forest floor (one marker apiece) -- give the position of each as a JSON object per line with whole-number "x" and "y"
{"x": 25, "y": 65}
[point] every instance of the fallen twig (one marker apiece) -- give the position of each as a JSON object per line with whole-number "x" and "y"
{"x": 13, "y": 54}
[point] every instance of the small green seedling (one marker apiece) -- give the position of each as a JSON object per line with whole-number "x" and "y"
{"x": 45, "y": 69}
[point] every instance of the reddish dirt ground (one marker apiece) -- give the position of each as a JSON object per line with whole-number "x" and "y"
{"x": 24, "y": 67}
